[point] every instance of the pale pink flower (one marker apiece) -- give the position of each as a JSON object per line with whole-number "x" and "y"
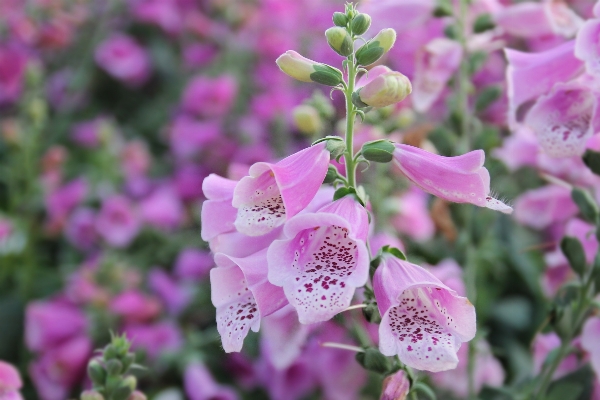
{"x": 117, "y": 222}
{"x": 273, "y": 193}
{"x": 395, "y": 387}
{"x": 424, "y": 322}
{"x": 135, "y": 306}
{"x": 322, "y": 259}
{"x": 210, "y": 97}
{"x": 155, "y": 339}
{"x": 242, "y": 296}
{"x": 200, "y": 385}
{"x": 10, "y": 382}
{"x": 540, "y": 208}
{"x": 123, "y": 58}
{"x": 460, "y": 179}
{"x": 49, "y": 323}
{"x": 542, "y": 345}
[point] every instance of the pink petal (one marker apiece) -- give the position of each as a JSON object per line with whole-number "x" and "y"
{"x": 284, "y": 337}
{"x": 275, "y": 192}
{"x": 564, "y": 119}
{"x": 586, "y": 46}
{"x": 319, "y": 265}
{"x": 541, "y": 207}
{"x": 9, "y": 377}
{"x": 590, "y": 342}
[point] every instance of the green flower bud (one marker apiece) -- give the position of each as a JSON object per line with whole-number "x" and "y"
{"x": 130, "y": 381}
{"x": 137, "y": 395}
{"x": 114, "y": 367}
{"x": 371, "y": 313}
{"x": 376, "y": 47}
{"x": 340, "y": 41}
{"x": 381, "y": 151}
{"x": 336, "y": 146}
{"x": 307, "y": 119}
{"x": 96, "y": 372}
{"x": 360, "y": 24}
{"x": 340, "y": 19}
{"x": 386, "y": 89}
{"x": 122, "y": 392}
{"x": 331, "y": 175}
{"x": 305, "y": 70}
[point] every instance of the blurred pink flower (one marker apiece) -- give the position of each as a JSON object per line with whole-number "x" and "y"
{"x": 117, "y": 222}
{"x": 200, "y": 385}
{"x": 193, "y": 264}
{"x": 135, "y": 306}
{"x": 80, "y": 230}
{"x": 188, "y": 136}
{"x": 89, "y": 133}
{"x": 198, "y": 55}
{"x": 155, "y": 339}
{"x": 123, "y": 58}
{"x": 210, "y": 97}
{"x": 590, "y": 343}
{"x": 135, "y": 158}
{"x": 412, "y": 218}
{"x": 10, "y": 382}
{"x": 542, "y": 345}
{"x": 60, "y": 368}
{"x": 163, "y": 13}
{"x": 540, "y": 208}
{"x": 61, "y": 201}
{"x": 50, "y": 323}
{"x": 13, "y": 62}
{"x": 450, "y": 274}
{"x": 173, "y": 294}
{"x": 162, "y": 209}
{"x": 395, "y": 387}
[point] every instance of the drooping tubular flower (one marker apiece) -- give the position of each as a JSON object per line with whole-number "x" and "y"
{"x": 10, "y": 382}
{"x": 461, "y": 179}
{"x": 242, "y": 296}
{"x": 424, "y": 322}
{"x": 273, "y": 193}
{"x": 322, "y": 260}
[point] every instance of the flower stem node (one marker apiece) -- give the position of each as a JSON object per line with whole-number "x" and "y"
{"x": 340, "y": 41}
{"x": 381, "y": 151}
{"x": 376, "y": 47}
{"x": 386, "y": 89}
{"x": 373, "y": 360}
{"x": 360, "y": 24}
{"x": 340, "y": 19}
{"x": 305, "y": 70}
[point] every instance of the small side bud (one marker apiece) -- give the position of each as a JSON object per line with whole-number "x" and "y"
{"x": 336, "y": 147}
{"x": 305, "y": 70}
{"x": 483, "y": 23}
{"x": 376, "y": 47}
{"x": 307, "y": 120}
{"x": 340, "y": 19}
{"x": 373, "y": 360}
{"x": 573, "y": 250}
{"x": 381, "y": 151}
{"x": 114, "y": 367}
{"x": 96, "y": 372}
{"x": 371, "y": 313}
{"x": 587, "y": 205}
{"x": 91, "y": 395}
{"x": 387, "y": 89}
{"x": 339, "y": 40}
{"x": 122, "y": 392}
{"x": 332, "y": 174}
{"x": 395, "y": 387}
{"x": 360, "y": 24}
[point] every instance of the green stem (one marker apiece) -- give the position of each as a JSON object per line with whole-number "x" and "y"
{"x": 463, "y": 81}
{"x": 350, "y": 116}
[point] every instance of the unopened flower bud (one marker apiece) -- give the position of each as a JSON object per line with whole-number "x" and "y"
{"x": 96, "y": 372}
{"x": 91, "y": 395}
{"x": 336, "y": 146}
{"x": 395, "y": 387}
{"x": 371, "y": 313}
{"x": 305, "y": 70}
{"x": 332, "y": 174}
{"x": 307, "y": 119}
{"x": 339, "y": 40}
{"x": 122, "y": 392}
{"x": 360, "y": 24}
{"x": 340, "y": 19}
{"x": 130, "y": 381}
{"x": 114, "y": 367}
{"x": 137, "y": 395}
{"x": 381, "y": 151}
{"x": 388, "y": 88}
{"x": 376, "y": 47}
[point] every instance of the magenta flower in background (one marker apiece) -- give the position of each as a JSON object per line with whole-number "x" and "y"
{"x": 542, "y": 345}
{"x": 198, "y": 55}
{"x": 242, "y": 296}
{"x": 450, "y": 274}
{"x": 10, "y": 382}
{"x": 193, "y": 264}
{"x": 322, "y": 259}
{"x": 117, "y": 222}
{"x": 89, "y": 133}
{"x": 412, "y": 218}
{"x": 210, "y": 97}
{"x": 60, "y": 368}
{"x": 80, "y": 230}
{"x": 200, "y": 385}
{"x": 586, "y": 48}
{"x": 540, "y": 208}
{"x": 162, "y": 209}
{"x": 276, "y": 192}
{"x": 135, "y": 159}
{"x": 13, "y": 63}
{"x": 460, "y": 179}
{"x": 163, "y": 13}
{"x": 50, "y": 323}
{"x": 124, "y": 59}
{"x": 189, "y": 136}
{"x": 135, "y": 306}
{"x": 155, "y": 339}
{"x": 173, "y": 294}
{"x": 187, "y": 180}
{"x": 590, "y": 343}
{"x": 535, "y": 20}
{"x": 61, "y": 201}
{"x": 424, "y": 322}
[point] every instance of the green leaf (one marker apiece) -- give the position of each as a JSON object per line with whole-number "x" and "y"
{"x": 587, "y": 205}
{"x": 592, "y": 160}
{"x": 486, "y": 97}
{"x": 483, "y": 22}
{"x": 573, "y": 250}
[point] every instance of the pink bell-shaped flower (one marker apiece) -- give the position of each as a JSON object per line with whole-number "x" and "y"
{"x": 322, "y": 260}
{"x": 242, "y": 295}
{"x": 273, "y": 193}
{"x": 424, "y": 322}
{"x": 461, "y": 179}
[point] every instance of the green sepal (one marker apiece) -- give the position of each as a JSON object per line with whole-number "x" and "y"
{"x": 396, "y": 252}
{"x": 483, "y": 22}
{"x": 381, "y": 151}
{"x": 592, "y": 160}
{"x": 357, "y": 101}
{"x": 326, "y": 75}
{"x": 373, "y": 360}
{"x": 586, "y": 204}
{"x": 369, "y": 53}
{"x": 360, "y": 24}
